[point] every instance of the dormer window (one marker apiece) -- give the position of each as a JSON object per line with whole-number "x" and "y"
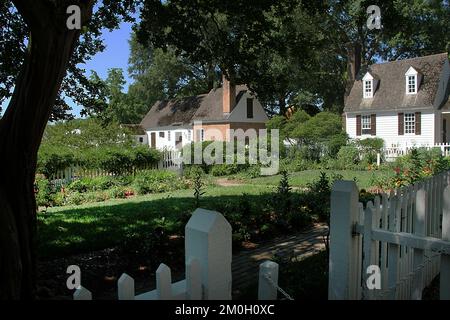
{"x": 368, "y": 89}
{"x": 412, "y": 84}
{"x": 368, "y": 86}
{"x": 412, "y": 81}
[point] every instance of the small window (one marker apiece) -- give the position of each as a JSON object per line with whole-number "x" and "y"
{"x": 161, "y": 134}
{"x": 368, "y": 89}
{"x": 412, "y": 84}
{"x": 168, "y": 135}
{"x": 141, "y": 140}
{"x": 410, "y": 123}
{"x": 189, "y": 135}
{"x": 366, "y": 124}
{"x": 249, "y": 108}
{"x": 200, "y": 135}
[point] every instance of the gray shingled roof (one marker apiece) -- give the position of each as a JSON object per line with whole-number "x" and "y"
{"x": 182, "y": 112}
{"x": 391, "y": 91}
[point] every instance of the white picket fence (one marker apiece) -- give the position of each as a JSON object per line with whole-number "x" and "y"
{"x": 406, "y": 234}
{"x": 208, "y": 255}
{"x": 171, "y": 160}
{"x": 391, "y": 153}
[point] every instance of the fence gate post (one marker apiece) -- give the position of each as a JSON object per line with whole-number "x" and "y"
{"x": 82, "y": 294}
{"x": 445, "y": 259}
{"x": 344, "y": 247}
{"x": 420, "y": 217}
{"x": 208, "y": 239}
{"x": 125, "y": 287}
{"x": 266, "y": 290}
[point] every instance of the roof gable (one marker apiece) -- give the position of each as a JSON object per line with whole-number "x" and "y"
{"x": 391, "y": 92}
{"x": 411, "y": 72}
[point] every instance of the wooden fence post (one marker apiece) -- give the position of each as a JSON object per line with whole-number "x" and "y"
{"x": 393, "y": 249}
{"x": 125, "y": 287}
{"x": 193, "y": 280}
{"x": 208, "y": 239}
{"x": 82, "y": 294}
{"x": 344, "y": 246}
{"x": 163, "y": 282}
{"x": 420, "y": 217}
{"x": 445, "y": 259}
{"x": 266, "y": 290}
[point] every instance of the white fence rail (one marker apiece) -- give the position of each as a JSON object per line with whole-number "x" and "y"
{"x": 208, "y": 254}
{"x": 390, "y": 153}
{"x": 171, "y": 160}
{"x": 406, "y": 235}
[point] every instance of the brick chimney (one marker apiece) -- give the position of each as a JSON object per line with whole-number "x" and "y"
{"x": 229, "y": 95}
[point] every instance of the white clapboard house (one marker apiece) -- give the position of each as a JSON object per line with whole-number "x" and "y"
{"x": 404, "y": 102}
{"x": 172, "y": 124}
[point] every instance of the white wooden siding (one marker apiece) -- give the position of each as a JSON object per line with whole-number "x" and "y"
{"x": 387, "y": 129}
{"x": 164, "y": 143}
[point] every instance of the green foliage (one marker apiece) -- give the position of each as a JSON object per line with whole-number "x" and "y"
{"x": 156, "y": 181}
{"x": 369, "y": 148}
{"x": 198, "y": 187}
{"x": 88, "y": 144}
{"x": 418, "y": 165}
{"x": 348, "y": 157}
{"x": 44, "y": 195}
{"x": 51, "y": 161}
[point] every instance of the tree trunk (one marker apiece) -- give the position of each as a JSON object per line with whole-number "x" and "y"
{"x": 353, "y": 65}
{"x": 21, "y": 131}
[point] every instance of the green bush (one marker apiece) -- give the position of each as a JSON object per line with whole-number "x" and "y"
{"x": 80, "y": 186}
{"x": 220, "y": 170}
{"x": 75, "y": 198}
{"x": 369, "y": 148}
{"x": 156, "y": 181}
{"x": 44, "y": 196}
{"x": 51, "y": 161}
{"x": 347, "y": 158}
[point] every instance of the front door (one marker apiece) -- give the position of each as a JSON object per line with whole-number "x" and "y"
{"x": 153, "y": 140}
{"x": 444, "y": 131}
{"x": 178, "y": 140}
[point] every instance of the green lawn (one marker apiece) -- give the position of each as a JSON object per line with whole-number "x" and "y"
{"x": 301, "y": 179}
{"x": 95, "y": 226}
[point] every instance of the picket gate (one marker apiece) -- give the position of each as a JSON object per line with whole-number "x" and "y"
{"x": 405, "y": 234}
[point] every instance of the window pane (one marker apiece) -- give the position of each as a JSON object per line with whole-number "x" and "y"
{"x": 249, "y": 108}
{"x": 410, "y": 123}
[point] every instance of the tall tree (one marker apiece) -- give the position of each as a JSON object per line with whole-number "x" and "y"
{"x": 160, "y": 73}
{"x": 409, "y": 29}
{"x": 46, "y": 55}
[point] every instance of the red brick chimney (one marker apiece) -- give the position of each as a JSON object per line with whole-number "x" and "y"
{"x": 229, "y": 95}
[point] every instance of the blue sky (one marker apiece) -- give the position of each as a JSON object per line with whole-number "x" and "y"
{"x": 115, "y": 56}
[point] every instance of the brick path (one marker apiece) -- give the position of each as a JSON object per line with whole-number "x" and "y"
{"x": 245, "y": 265}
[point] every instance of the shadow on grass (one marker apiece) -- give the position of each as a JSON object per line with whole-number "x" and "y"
{"x": 81, "y": 230}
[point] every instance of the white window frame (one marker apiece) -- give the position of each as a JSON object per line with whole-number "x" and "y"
{"x": 366, "y": 124}
{"x": 368, "y": 89}
{"x": 409, "y": 123}
{"x": 411, "y": 84}
{"x": 412, "y": 81}
{"x": 189, "y": 135}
